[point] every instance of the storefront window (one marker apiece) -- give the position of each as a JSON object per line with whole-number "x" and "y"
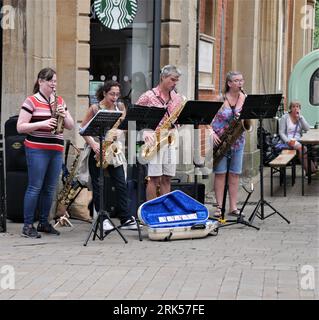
{"x": 314, "y": 88}
{"x": 124, "y": 55}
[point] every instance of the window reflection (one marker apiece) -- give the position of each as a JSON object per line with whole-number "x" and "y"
{"x": 314, "y": 88}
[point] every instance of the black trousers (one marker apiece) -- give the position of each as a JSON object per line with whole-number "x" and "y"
{"x": 118, "y": 180}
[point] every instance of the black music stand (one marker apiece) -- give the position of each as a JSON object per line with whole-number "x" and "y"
{"x": 262, "y": 107}
{"x": 198, "y": 113}
{"x": 240, "y": 219}
{"x": 202, "y": 113}
{"x": 143, "y": 118}
{"x": 103, "y": 121}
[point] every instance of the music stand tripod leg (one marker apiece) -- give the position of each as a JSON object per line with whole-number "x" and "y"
{"x": 93, "y": 227}
{"x": 239, "y": 219}
{"x": 100, "y": 218}
{"x": 138, "y": 198}
{"x": 262, "y": 202}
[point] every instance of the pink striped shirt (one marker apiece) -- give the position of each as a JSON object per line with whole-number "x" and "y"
{"x": 40, "y": 110}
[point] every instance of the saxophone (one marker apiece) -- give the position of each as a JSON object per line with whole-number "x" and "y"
{"x": 161, "y": 139}
{"x": 58, "y": 116}
{"x": 230, "y": 135}
{"x": 70, "y": 189}
{"x": 110, "y": 148}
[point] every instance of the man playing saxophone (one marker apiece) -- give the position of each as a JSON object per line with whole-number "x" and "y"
{"x": 162, "y": 166}
{"x": 107, "y": 96}
{"x": 234, "y": 99}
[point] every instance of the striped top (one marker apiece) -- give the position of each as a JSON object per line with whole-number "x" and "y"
{"x": 40, "y": 110}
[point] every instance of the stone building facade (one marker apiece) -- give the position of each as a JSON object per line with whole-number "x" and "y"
{"x": 205, "y": 38}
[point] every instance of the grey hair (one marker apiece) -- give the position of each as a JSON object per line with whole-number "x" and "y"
{"x": 294, "y": 103}
{"x": 229, "y": 77}
{"x": 170, "y": 70}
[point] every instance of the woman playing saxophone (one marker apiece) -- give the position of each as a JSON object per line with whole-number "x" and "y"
{"x": 107, "y": 95}
{"x": 44, "y": 150}
{"x": 234, "y": 99}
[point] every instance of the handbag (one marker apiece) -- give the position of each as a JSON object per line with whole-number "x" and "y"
{"x": 281, "y": 146}
{"x": 83, "y": 174}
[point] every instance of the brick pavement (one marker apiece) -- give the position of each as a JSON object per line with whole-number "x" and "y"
{"x": 239, "y": 263}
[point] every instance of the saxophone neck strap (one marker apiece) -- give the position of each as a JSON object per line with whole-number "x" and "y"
{"x": 161, "y": 100}
{"x": 47, "y": 100}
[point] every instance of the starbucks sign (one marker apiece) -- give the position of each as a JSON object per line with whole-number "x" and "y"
{"x": 115, "y": 14}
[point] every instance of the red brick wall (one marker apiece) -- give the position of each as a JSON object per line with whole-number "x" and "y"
{"x": 209, "y": 94}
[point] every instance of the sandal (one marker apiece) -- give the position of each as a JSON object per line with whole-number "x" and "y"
{"x": 218, "y": 212}
{"x": 235, "y": 213}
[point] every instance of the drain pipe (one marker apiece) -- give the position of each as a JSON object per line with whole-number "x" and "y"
{"x": 222, "y": 45}
{"x": 197, "y": 52}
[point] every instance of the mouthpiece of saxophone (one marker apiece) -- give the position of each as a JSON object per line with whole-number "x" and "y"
{"x": 243, "y": 91}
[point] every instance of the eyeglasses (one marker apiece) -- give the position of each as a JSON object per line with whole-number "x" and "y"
{"x": 114, "y": 94}
{"x": 238, "y": 80}
{"x": 50, "y": 82}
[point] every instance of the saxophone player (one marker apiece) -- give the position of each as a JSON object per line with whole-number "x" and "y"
{"x": 163, "y": 165}
{"x": 44, "y": 150}
{"x": 107, "y": 95}
{"x": 234, "y": 99}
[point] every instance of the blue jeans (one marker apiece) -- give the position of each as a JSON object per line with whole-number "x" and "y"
{"x": 44, "y": 167}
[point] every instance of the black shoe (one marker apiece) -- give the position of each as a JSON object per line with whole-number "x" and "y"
{"x": 47, "y": 228}
{"x": 30, "y": 232}
{"x": 129, "y": 224}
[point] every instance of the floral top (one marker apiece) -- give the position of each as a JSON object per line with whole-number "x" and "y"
{"x": 221, "y": 122}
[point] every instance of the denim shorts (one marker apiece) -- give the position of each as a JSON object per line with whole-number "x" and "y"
{"x": 236, "y": 163}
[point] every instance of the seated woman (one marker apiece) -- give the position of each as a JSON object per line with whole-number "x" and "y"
{"x": 291, "y": 126}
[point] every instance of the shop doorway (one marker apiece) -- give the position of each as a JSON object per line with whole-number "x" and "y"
{"x": 125, "y": 55}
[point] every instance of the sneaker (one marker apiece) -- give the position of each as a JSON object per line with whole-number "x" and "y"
{"x": 30, "y": 232}
{"x": 107, "y": 226}
{"x": 129, "y": 224}
{"x": 47, "y": 228}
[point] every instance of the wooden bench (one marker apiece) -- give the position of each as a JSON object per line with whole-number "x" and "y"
{"x": 279, "y": 164}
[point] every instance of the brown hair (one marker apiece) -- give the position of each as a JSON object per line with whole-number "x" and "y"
{"x": 106, "y": 87}
{"x": 44, "y": 74}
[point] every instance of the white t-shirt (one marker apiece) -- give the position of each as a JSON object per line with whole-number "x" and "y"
{"x": 291, "y": 130}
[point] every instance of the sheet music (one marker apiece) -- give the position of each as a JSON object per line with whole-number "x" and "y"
{"x": 97, "y": 115}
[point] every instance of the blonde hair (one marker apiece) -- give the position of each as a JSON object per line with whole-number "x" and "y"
{"x": 229, "y": 77}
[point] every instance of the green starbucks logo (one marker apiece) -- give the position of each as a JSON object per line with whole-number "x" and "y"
{"x": 115, "y": 14}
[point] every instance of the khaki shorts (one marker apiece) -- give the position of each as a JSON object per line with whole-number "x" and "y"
{"x": 164, "y": 162}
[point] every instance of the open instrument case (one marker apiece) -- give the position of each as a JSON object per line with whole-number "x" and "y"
{"x": 176, "y": 216}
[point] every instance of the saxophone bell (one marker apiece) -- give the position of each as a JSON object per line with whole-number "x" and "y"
{"x": 163, "y": 134}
